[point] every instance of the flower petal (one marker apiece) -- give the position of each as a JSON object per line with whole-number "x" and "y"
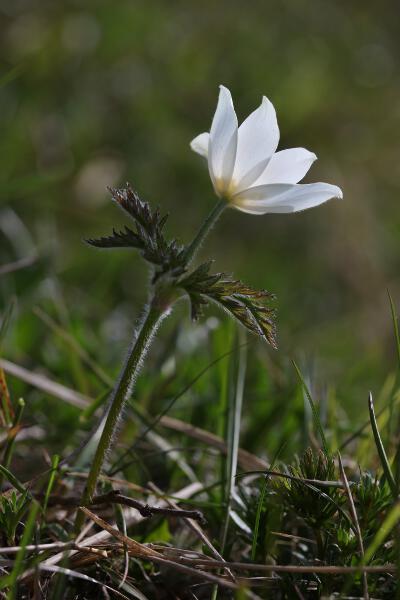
{"x": 287, "y": 166}
{"x": 200, "y": 144}
{"x": 284, "y": 198}
{"x": 258, "y": 138}
{"x": 223, "y": 142}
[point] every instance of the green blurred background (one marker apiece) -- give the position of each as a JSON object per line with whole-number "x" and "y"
{"x": 101, "y": 93}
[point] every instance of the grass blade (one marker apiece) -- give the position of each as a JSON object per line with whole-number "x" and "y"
{"x": 11, "y": 579}
{"x": 236, "y": 414}
{"x": 381, "y": 450}
{"x": 90, "y": 411}
{"x": 261, "y": 504}
{"x": 314, "y": 409}
{"x": 13, "y": 480}
{"x": 50, "y": 485}
{"x": 78, "y": 575}
{"x": 395, "y": 325}
{"x": 397, "y": 339}
{"x": 235, "y": 402}
{"x": 391, "y": 519}
{"x": 233, "y": 433}
{"x": 74, "y": 346}
{"x": 187, "y": 387}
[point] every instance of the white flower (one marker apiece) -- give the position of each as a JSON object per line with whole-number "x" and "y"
{"x": 245, "y": 168}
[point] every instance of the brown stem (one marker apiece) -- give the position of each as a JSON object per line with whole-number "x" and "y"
{"x": 115, "y": 497}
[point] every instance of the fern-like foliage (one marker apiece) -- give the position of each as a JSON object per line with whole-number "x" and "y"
{"x": 250, "y": 307}
{"x": 147, "y": 237}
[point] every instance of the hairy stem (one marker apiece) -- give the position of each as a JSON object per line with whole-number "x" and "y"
{"x": 204, "y": 230}
{"x": 156, "y": 312}
{"x": 159, "y": 308}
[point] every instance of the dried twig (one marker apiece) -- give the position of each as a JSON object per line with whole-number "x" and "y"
{"x": 327, "y": 569}
{"x": 316, "y": 482}
{"x": 22, "y": 263}
{"x": 38, "y": 547}
{"x": 115, "y": 497}
{"x": 196, "y": 528}
{"x": 245, "y": 459}
{"x": 144, "y": 552}
{"x": 132, "y": 517}
{"x": 137, "y": 549}
{"x": 45, "y": 384}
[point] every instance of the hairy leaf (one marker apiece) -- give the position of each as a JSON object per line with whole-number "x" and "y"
{"x": 148, "y": 236}
{"x": 250, "y": 307}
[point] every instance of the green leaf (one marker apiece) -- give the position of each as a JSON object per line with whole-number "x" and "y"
{"x": 249, "y": 307}
{"x": 148, "y": 237}
{"x": 118, "y": 239}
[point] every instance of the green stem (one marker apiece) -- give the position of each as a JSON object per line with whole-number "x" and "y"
{"x": 205, "y": 229}
{"x": 157, "y": 311}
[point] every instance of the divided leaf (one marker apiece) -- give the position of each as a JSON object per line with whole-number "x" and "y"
{"x": 148, "y": 236}
{"x": 118, "y": 239}
{"x": 250, "y": 307}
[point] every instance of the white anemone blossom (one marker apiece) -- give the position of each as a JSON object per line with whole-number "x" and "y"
{"x": 245, "y": 168}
